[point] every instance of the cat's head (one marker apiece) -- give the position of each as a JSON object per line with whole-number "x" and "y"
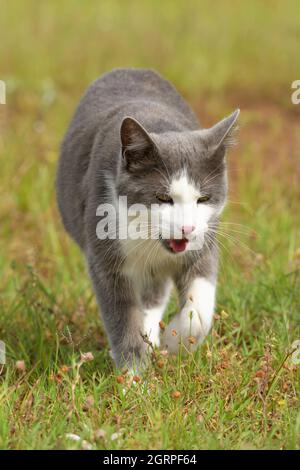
{"x": 181, "y": 176}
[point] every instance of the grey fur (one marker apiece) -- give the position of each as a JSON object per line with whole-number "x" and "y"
{"x": 105, "y": 155}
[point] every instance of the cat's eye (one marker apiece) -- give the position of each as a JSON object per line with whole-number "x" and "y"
{"x": 203, "y": 199}
{"x": 164, "y": 198}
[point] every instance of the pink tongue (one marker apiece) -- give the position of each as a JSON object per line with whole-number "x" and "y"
{"x": 178, "y": 245}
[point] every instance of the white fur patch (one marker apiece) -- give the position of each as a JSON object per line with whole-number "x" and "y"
{"x": 195, "y": 319}
{"x": 152, "y": 317}
{"x": 140, "y": 254}
{"x": 182, "y": 191}
{"x": 186, "y": 211}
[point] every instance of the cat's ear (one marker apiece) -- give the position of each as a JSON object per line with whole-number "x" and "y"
{"x": 137, "y": 145}
{"x": 221, "y": 135}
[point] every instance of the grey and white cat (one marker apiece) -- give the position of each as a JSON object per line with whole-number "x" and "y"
{"x": 133, "y": 135}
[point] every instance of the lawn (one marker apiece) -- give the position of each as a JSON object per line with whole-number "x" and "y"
{"x": 241, "y": 390}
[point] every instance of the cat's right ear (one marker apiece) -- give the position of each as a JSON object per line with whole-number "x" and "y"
{"x": 221, "y": 135}
{"x": 137, "y": 146}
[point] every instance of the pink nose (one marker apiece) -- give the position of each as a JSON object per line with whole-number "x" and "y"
{"x": 187, "y": 229}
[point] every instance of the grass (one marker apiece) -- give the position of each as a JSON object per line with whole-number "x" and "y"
{"x": 236, "y": 391}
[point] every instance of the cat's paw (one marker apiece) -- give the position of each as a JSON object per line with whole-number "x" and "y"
{"x": 187, "y": 330}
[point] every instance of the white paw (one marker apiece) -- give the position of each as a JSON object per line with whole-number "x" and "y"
{"x": 152, "y": 318}
{"x": 154, "y": 338}
{"x": 187, "y": 328}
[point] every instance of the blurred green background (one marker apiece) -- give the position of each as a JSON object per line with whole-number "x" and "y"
{"x": 202, "y": 46}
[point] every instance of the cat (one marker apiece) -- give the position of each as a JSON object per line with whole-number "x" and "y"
{"x": 134, "y": 138}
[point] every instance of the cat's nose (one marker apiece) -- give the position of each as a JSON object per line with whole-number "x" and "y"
{"x": 187, "y": 229}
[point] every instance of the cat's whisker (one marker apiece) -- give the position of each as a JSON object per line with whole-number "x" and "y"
{"x": 207, "y": 178}
{"x": 218, "y": 243}
{"x": 167, "y": 179}
{"x": 207, "y": 184}
{"x": 234, "y": 240}
{"x": 240, "y": 203}
{"x": 231, "y": 230}
{"x": 231, "y": 226}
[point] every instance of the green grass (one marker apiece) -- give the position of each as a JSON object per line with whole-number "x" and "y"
{"x": 234, "y": 392}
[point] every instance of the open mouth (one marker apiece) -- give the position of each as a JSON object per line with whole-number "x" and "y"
{"x": 177, "y": 245}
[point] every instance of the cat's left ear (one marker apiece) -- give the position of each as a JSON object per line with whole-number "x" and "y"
{"x": 221, "y": 135}
{"x": 137, "y": 146}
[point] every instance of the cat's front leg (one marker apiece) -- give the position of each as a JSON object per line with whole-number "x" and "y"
{"x": 122, "y": 316}
{"x": 155, "y": 298}
{"x": 192, "y": 324}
